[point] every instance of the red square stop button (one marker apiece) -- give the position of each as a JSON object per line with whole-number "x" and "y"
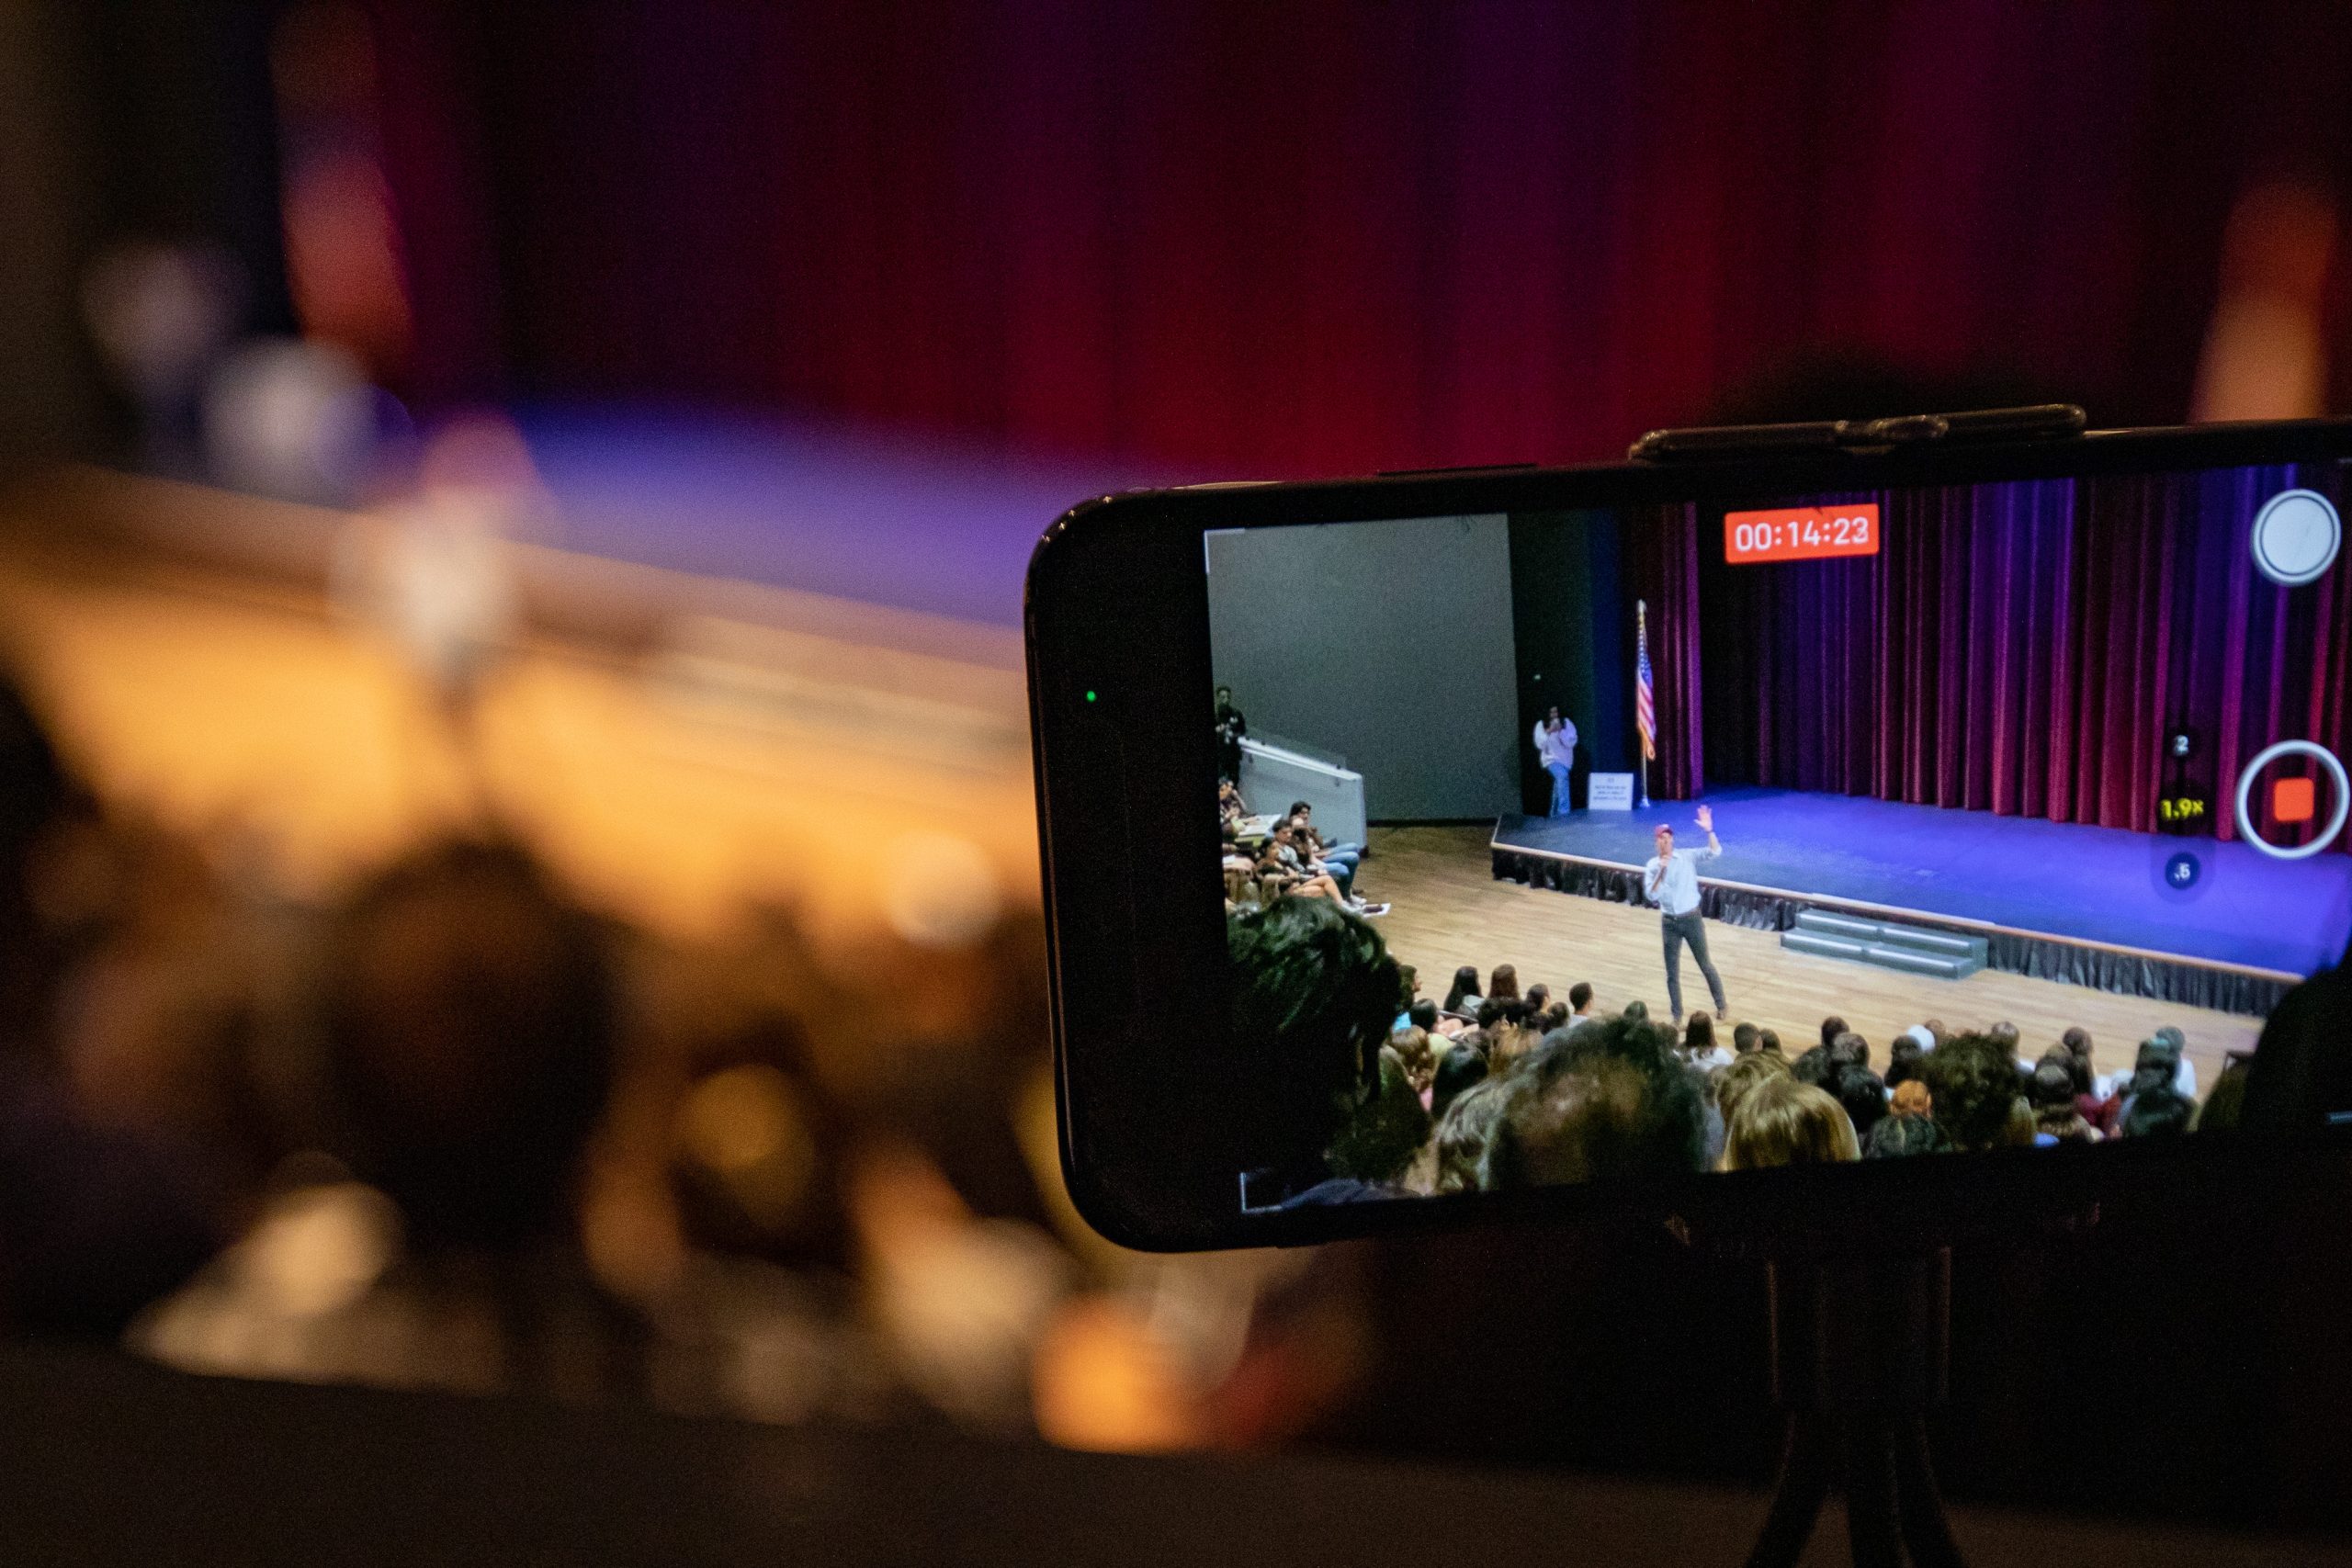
{"x": 2294, "y": 800}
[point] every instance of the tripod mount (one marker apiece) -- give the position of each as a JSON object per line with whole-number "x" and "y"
{"x": 1860, "y": 1353}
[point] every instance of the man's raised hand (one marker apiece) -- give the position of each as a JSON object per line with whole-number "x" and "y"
{"x": 1706, "y": 819}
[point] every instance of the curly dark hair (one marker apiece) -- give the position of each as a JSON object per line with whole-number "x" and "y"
{"x": 1977, "y": 1088}
{"x": 1314, "y": 996}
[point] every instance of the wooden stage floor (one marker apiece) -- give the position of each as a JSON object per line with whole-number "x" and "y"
{"x": 1448, "y": 911}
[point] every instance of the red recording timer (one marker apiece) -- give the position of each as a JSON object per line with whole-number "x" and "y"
{"x": 1801, "y": 533}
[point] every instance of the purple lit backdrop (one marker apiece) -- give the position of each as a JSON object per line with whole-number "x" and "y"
{"x": 2022, "y": 649}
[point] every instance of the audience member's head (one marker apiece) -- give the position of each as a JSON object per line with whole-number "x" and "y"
{"x": 1639, "y": 1011}
{"x": 1490, "y": 1014}
{"x": 1850, "y": 1050}
{"x": 1906, "y": 1060}
{"x": 1606, "y": 1101}
{"x": 1698, "y": 1034}
{"x": 2051, "y": 1092}
{"x": 1502, "y": 983}
{"x": 1417, "y": 1052}
{"x": 2052, "y": 1083}
{"x": 1422, "y": 1014}
{"x": 1580, "y": 995}
{"x": 1732, "y": 1083}
{"x": 2160, "y": 1111}
{"x": 1974, "y": 1080}
{"x": 2007, "y": 1034}
{"x": 1460, "y": 1067}
{"x": 2224, "y": 1107}
{"x": 1315, "y": 997}
{"x": 1909, "y": 1126}
{"x": 1509, "y": 1043}
{"x": 1465, "y": 983}
{"x": 2156, "y": 1065}
{"x": 1831, "y": 1028}
{"x": 1769, "y": 1040}
{"x": 1862, "y": 1094}
{"x": 1538, "y": 996}
{"x": 1784, "y": 1122}
{"x": 1386, "y": 1131}
{"x": 1555, "y": 1017}
{"x": 470, "y": 1021}
{"x": 1813, "y": 1066}
{"x": 1464, "y": 1135}
{"x": 1745, "y": 1038}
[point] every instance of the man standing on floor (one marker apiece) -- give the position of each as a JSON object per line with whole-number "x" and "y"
{"x": 1671, "y": 881}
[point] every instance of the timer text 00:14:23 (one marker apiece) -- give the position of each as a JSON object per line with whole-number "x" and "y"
{"x": 1801, "y": 533}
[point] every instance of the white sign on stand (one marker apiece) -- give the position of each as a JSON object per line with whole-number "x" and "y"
{"x": 1611, "y": 791}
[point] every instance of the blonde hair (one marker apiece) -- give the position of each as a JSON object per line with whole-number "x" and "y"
{"x": 1784, "y": 1121}
{"x": 1912, "y": 1098}
{"x": 1734, "y": 1081}
{"x": 1509, "y": 1043}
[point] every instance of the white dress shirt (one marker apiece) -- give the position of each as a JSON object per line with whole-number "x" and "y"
{"x": 1674, "y": 884}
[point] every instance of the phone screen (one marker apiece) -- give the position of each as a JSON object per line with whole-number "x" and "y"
{"x": 1867, "y": 825}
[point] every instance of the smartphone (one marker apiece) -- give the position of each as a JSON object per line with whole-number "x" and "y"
{"x": 1803, "y": 831}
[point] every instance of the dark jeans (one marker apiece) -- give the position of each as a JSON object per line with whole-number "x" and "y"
{"x": 1692, "y": 929}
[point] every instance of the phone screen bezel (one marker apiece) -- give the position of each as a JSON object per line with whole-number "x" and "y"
{"x": 1117, "y": 607}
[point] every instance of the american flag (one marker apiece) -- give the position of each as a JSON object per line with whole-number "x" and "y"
{"x": 1645, "y": 707}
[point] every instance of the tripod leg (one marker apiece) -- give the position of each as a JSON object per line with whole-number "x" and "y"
{"x": 1918, "y": 1503}
{"x": 1806, "y": 1474}
{"x": 1871, "y": 1524}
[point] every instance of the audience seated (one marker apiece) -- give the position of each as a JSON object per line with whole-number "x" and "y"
{"x": 1462, "y": 1137}
{"x": 1609, "y": 1102}
{"x": 1786, "y": 1122}
{"x": 1733, "y": 1083}
{"x": 1909, "y": 1126}
{"x": 1975, "y": 1082}
{"x": 2057, "y": 1116}
{"x": 1415, "y": 1050}
{"x": 1531, "y": 1094}
{"x": 1457, "y": 1071}
{"x": 1699, "y": 1044}
{"x": 1465, "y": 994}
{"x": 1863, "y": 1094}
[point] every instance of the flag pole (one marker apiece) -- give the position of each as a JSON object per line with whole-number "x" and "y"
{"x": 1642, "y": 632}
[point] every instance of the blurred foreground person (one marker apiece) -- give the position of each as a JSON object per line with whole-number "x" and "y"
{"x": 469, "y": 1016}
{"x": 95, "y": 1221}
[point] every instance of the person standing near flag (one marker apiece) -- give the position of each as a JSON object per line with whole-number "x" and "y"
{"x": 1556, "y": 747}
{"x": 1671, "y": 881}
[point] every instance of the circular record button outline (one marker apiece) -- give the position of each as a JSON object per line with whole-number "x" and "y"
{"x": 2334, "y": 769}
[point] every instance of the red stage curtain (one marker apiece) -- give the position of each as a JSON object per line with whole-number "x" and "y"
{"x": 2023, "y": 648}
{"x": 1662, "y": 560}
{"x": 1324, "y": 237}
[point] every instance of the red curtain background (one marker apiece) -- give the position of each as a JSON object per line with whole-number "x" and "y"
{"x": 1317, "y": 237}
{"x": 2023, "y": 648}
{"x": 1662, "y": 564}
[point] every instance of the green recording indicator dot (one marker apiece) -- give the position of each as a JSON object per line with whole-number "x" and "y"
{"x": 1089, "y": 693}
